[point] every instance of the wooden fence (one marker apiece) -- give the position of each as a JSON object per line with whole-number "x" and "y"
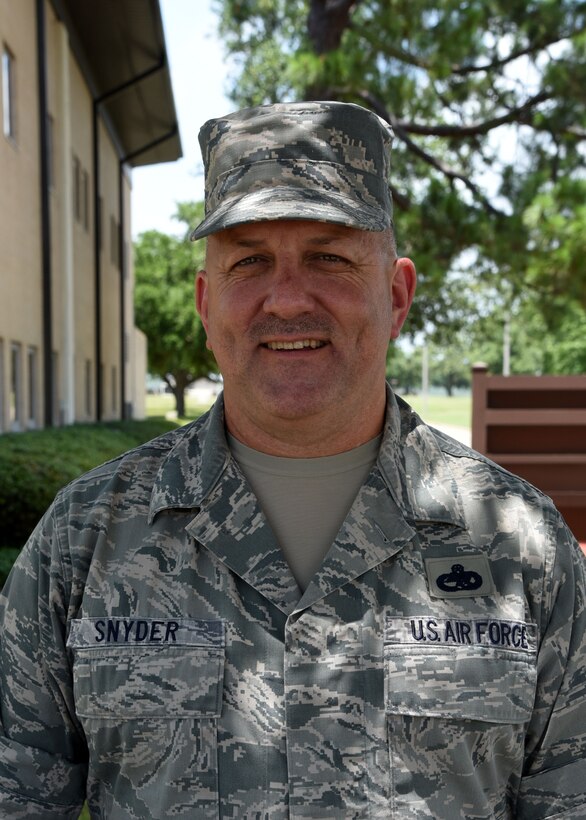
{"x": 535, "y": 426}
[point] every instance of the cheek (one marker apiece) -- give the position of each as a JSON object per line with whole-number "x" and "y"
{"x": 227, "y": 321}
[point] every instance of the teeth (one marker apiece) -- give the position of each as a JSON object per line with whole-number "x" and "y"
{"x": 300, "y": 345}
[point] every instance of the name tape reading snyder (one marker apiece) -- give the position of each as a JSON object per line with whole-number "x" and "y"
{"x": 96, "y": 632}
{"x": 513, "y": 635}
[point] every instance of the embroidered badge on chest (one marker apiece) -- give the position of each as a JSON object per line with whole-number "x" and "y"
{"x": 459, "y": 576}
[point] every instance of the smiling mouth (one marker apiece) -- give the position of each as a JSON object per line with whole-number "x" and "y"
{"x": 302, "y": 344}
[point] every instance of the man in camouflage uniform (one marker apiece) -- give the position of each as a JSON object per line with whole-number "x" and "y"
{"x": 308, "y": 603}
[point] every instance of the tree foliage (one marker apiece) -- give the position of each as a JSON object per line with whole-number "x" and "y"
{"x": 165, "y": 267}
{"x": 488, "y": 105}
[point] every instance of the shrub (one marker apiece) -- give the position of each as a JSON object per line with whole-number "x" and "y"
{"x": 35, "y": 465}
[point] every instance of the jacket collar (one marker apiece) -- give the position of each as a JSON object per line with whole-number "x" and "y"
{"x": 415, "y": 467}
{"x": 411, "y": 483}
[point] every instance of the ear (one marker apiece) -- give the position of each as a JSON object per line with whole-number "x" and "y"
{"x": 201, "y": 301}
{"x": 404, "y": 280}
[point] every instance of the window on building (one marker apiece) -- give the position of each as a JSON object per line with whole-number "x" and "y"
{"x": 88, "y": 387}
{"x": 76, "y": 188}
{"x": 15, "y": 400}
{"x": 126, "y": 261}
{"x": 85, "y": 199}
{"x": 57, "y": 410}
{"x": 114, "y": 242}
{"x": 8, "y": 102}
{"x": 32, "y": 365}
{"x": 51, "y": 150}
{"x": 100, "y": 222}
{"x": 114, "y": 389}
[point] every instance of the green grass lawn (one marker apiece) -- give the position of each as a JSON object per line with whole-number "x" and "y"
{"x": 164, "y": 403}
{"x": 454, "y": 410}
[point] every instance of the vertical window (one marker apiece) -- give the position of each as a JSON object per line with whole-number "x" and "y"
{"x": 88, "y": 387}
{"x": 126, "y": 261}
{"x": 51, "y": 150}
{"x": 8, "y": 112}
{"x": 15, "y": 402}
{"x": 114, "y": 242}
{"x": 32, "y": 386}
{"x": 76, "y": 188}
{"x": 85, "y": 199}
{"x": 114, "y": 390}
{"x": 57, "y": 412}
{"x": 101, "y": 223}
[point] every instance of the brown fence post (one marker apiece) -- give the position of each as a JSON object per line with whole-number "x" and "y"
{"x": 479, "y": 403}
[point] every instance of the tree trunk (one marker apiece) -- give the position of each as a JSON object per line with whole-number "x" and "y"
{"x": 326, "y": 22}
{"x": 179, "y": 393}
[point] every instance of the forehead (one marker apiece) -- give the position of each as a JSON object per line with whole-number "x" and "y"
{"x": 304, "y": 232}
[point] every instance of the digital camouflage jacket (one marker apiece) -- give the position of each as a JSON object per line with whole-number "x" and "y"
{"x": 158, "y": 657}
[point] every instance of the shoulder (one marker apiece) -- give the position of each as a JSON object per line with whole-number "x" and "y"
{"x": 133, "y": 473}
{"x": 477, "y": 473}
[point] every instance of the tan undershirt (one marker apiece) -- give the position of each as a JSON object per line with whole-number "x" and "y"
{"x": 305, "y": 500}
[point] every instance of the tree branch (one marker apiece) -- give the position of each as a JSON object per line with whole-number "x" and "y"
{"x": 462, "y": 70}
{"x": 476, "y": 129}
{"x": 411, "y": 59}
{"x": 379, "y": 108}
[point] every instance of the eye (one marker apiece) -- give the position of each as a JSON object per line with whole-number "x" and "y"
{"x": 330, "y": 260}
{"x": 248, "y": 265}
{"x": 248, "y": 260}
{"x": 331, "y": 257}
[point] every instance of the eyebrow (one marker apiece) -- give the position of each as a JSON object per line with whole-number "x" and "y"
{"x": 320, "y": 240}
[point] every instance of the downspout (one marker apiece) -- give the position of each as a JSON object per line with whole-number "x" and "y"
{"x": 67, "y": 239}
{"x": 123, "y": 267}
{"x": 124, "y": 414}
{"x": 46, "y": 275}
{"x": 97, "y": 261}
{"x": 97, "y": 227}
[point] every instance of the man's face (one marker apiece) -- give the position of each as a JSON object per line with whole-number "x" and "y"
{"x": 299, "y": 315}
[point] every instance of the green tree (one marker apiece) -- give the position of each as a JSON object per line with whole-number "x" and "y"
{"x": 165, "y": 267}
{"x": 404, "y": 368}
{"x": 450, "y": 367}
{"x": 487, "y": 104}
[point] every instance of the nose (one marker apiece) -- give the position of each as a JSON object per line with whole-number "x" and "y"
{"x": 288, "y": 295}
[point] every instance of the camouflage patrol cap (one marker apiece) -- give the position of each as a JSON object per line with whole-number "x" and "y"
{"x": 324, "y": 161}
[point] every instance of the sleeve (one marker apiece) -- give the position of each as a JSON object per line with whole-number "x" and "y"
{"x": 554, "y": 781}
{"x": 43, "y": 754}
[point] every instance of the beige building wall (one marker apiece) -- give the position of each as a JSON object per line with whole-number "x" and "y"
{"x": 110, "y": 273}
{"x": 20, "y": 256}
{"x": 138, "y": 384}
{"x": 72, "y": 224}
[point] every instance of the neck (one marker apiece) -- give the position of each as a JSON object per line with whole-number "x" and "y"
{"x": 306, "y": 437}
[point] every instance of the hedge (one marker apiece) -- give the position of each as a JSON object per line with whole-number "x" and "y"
{"x": 36, "y": 464}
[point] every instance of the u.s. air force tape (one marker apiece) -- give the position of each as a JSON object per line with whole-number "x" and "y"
{"x": 515, "y": 636}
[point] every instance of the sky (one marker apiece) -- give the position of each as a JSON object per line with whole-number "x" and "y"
{"x": 199, "y": 78}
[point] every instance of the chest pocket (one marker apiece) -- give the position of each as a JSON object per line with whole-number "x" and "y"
{"x": 148, "y": 694}
{"x": 476, "y": 670}
{"x": 457, "y": 696}
{"x": 130, "y": 668}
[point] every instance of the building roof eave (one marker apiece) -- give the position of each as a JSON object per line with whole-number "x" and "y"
{"x": 120, "y": 47}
